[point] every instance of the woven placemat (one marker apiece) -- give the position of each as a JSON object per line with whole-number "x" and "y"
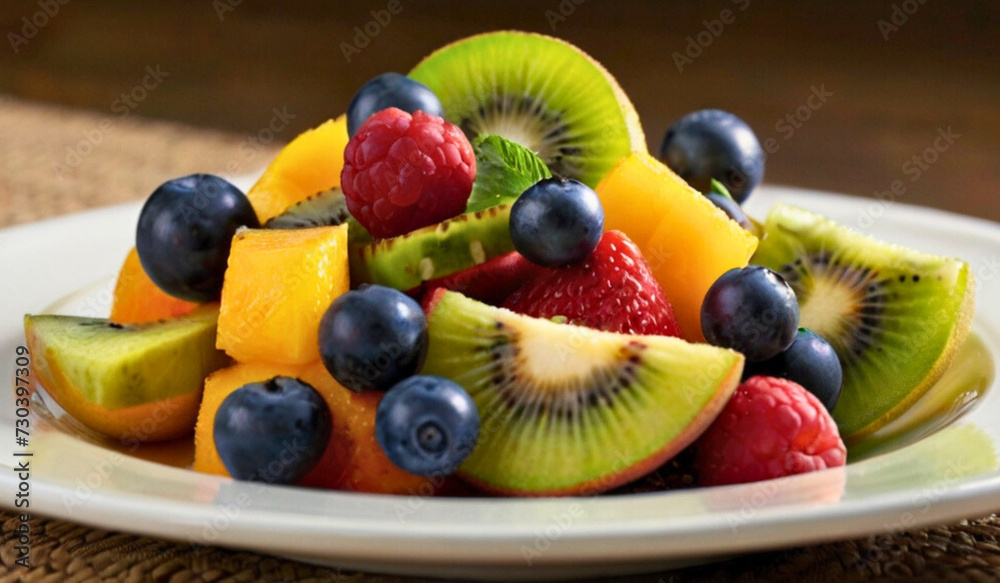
{"x": 49, "y": 171}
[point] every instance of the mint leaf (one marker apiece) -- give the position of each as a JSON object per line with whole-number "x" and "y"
{"x": 504, "y": 169}
{"x": 720, "y": 188}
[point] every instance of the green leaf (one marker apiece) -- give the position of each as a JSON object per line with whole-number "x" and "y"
{"x": 720, "y": 188}
{"x": 504, "y": 169}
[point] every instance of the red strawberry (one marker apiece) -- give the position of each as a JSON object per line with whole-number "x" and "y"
{"x": 612, "y": 290}
{"x": 490, "y": 282}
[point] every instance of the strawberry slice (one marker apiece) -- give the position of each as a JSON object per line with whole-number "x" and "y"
{"x": 611, "y": 290}
{"x": 490, "y": 282}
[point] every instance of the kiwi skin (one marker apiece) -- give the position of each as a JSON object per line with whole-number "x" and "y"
{"x": 895, "y": 316}
{"x": 406, "y": 261}
{"x": 326, "y": 208}
{"x": 622, "y": 432}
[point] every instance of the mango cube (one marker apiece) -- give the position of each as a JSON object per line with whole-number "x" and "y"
{"x": 277, "y": 287}
{"x": 309, "y": 164}
{"x": 687, "y": 241}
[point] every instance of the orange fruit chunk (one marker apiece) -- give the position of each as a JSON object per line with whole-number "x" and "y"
{"x": 137, "y": 425}
{"x": 278, "y": 285}
{"x": 138, "y": 300}
{"x": 309, "y": 164}
{"x": 352, "y": 461}
{"x": 687, "y": 241}
{"x": 217, "y": 387}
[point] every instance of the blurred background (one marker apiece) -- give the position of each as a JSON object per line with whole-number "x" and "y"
{"x": 855, "y": 95}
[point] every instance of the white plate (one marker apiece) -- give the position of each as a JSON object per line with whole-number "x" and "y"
{"x": 951, "y": 475}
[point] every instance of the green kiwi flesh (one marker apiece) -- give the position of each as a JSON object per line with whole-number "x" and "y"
{"x": 571, "y": 410}
{"x": 404, "y": 262}
{"x": 117, "y": 366}
{"x": 324, "y": 209}
{"x": 540, "y": 92}
{"x": 960, "y": 388}
{"x": 894, "y": 316}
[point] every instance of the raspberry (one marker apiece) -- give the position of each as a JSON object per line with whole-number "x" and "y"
{"x": 613, "y": 290}
{"x": 402, "y": 172}
{"x": 770, "y": 428}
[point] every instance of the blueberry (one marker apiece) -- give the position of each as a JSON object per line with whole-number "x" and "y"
{"x": 750, "y": 309}
{"x": 273, "y": 432}
{"x": 811, "y": 362}
{"x": 373, "y": 337}
{"x": 427, "y": 425}
{"x": 390, "y": 90}
{"x": 712, "y": 143}
{"x": 731, "y": 208}
{"x": 185, "y": 231}
{"x": 556, "y": 222}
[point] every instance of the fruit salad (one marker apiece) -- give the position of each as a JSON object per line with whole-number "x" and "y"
{"x": 478, "y": 279}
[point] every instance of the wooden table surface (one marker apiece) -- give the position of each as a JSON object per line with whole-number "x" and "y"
{"x": 224, "y": 77}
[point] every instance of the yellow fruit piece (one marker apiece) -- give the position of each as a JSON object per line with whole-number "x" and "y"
{"x": 352, "y": 461}
{"x": 309, "y": 164}
{"x": 687, "y": 241}
{"x": 138, "y": 300}
{"x": 217, "y": 387}
{"x": 160, "y": 420}
{"x": 277, "y": 287}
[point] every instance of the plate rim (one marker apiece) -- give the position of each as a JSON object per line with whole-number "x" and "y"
{"x": 964, "y": 501}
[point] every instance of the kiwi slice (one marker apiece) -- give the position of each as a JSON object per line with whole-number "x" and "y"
{"x": 116, "y": 366}
{"x": 540, "y": 92}
{"x": 895, "y": 316}
{"x": 571, "y": 410}
{"x": 324, "y": 209}
{"x": 960, "y": 389}
{"x": 404, "y": 262}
